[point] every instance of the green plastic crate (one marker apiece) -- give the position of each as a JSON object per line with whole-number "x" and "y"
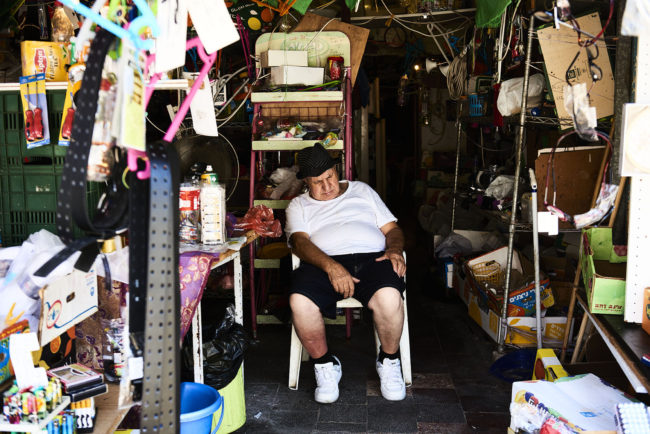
{"x": 13, "y": 148}
{"x": 28, "y": 202}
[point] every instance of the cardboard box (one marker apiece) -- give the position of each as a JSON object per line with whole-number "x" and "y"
{"x": 604, "y": 281}
{"x": 521, "y": 300}
{"x": 583, "y": 403}
{"x": 358, "y": 36}
{"x": 66, "y": 302}
{"x": 296, "y": 75}
{"x": 558, "y": 55}
{"x": 521, "y": 330}
{"x": 283, "y": 58}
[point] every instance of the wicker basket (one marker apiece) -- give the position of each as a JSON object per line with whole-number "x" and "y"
{"x": 489, "y": 272}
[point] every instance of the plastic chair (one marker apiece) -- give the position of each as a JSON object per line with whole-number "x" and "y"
{"x": 297, "y": 353}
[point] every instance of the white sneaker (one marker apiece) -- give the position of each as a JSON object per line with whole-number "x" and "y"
{"x": 328, "y": 376}
{"x": 392, "y": 381}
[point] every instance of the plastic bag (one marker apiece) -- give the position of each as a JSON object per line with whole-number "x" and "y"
{"x": 509, "y": 100}
{"x": 224, "y": 354}
{"x": 501, "y": 187}
{"x": 636, "y": 18}
{"x": 452, "y": 245}
{"x": 260, "y": 219}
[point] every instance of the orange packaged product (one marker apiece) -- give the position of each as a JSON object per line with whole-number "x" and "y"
{"x": 50, "y": 58}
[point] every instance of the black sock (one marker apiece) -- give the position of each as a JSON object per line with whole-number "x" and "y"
{"x": 382, "y": 355}
{"x": 325, "y": 358}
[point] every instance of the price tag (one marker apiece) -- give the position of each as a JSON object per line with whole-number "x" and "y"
{"x": 170, "y": 44}
{"x": 202, "y": 108}
{"x": 547, "y": 222}
{"x": 213, "y": 24}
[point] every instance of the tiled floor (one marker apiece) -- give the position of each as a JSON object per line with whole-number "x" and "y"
{"x": 452, "y": 390}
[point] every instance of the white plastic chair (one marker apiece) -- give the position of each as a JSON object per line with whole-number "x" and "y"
{"x": 297, "y": 353}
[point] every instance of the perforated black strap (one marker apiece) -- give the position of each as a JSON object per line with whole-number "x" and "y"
{"x": 160, "y": 397}
{"x": 72, "y": 206}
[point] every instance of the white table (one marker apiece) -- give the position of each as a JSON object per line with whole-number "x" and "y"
{"x": 197, "y": 330}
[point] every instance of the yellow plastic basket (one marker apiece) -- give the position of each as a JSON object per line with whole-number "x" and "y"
{"x": 489, "y": 272}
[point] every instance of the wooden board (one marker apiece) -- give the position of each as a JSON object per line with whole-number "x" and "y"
{"x": 576, "y": 174}
{"x": 559, "y": 47}
{"x": 358, "y": 36}
{"x": 109, "y": 415}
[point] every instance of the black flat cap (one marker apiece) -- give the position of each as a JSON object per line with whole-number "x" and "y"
{"x": 314, "y": 161}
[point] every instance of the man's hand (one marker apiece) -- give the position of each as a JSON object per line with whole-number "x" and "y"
{"x": 397, "y": 259}
{"x": 342, "y": 281}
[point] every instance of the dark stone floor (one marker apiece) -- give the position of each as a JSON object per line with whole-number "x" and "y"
{"x": 452, "y": 392}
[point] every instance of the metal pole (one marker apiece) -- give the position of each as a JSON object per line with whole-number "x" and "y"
{"x": 459, "y": 131}
{"x": 515, "y": 194}
{"x": 538, "y": 303}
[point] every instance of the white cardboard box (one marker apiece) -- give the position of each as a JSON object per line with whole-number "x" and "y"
{"x": 66, "y": 302}
{"x": 283, "y": 58}
{"x": 296, "y": 75}
{"x": 584, "y": 403}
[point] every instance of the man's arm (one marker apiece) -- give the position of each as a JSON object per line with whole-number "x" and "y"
{"x": 394, "y": 247}
{"x": 341, "y": 279}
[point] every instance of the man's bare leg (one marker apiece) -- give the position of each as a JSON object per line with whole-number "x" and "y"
{"x": 309, "y": 324}
{"x": 388, "y": 313}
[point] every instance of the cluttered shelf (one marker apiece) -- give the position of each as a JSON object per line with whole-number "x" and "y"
{"x": 627, "y": 342}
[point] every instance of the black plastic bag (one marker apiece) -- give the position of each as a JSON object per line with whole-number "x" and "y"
{"x": 224, "y": 353}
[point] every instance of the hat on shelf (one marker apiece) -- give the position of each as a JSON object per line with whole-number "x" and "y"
{"x": 314, "y": 161}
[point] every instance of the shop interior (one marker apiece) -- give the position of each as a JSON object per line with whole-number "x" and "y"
{"x": 148, "y": 152}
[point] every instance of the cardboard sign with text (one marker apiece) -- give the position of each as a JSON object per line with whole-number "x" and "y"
{"x": 559, "y": 47}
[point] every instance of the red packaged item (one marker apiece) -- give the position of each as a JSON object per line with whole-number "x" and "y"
{"x": 261, "y": 220}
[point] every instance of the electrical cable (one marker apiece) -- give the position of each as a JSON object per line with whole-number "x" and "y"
{"x": 456, "y": 76}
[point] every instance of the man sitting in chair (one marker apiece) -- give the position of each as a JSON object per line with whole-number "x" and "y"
{"x": 349, "y": 245}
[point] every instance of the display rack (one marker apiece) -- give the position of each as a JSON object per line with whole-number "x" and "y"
{"x": 271, "y": 106}
{"x": 42, "y": 423}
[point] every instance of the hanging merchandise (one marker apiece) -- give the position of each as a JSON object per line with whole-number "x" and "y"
{"x": 204, "y": 121}
{"x": 75, "y": 74}
{"x": 49, "y": 58}
{"x": 62, "y": 28}
{"x": 170, "y": 44}
{"x": 32, "y": 92}
{"x": 213, "y": 24}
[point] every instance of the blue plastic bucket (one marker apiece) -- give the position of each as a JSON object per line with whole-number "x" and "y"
{"x": 198, "y": 404}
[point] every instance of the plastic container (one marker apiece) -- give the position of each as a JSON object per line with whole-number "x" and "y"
{"x": 13, "y": 152}
{"x": 198, "y": 405}
{"x": 28, "y": 201}
{"x": 234, "y": 415}
{"x": 515, "y": 366}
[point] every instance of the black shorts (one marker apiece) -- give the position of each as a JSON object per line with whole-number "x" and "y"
{"x": 314, "y": 283}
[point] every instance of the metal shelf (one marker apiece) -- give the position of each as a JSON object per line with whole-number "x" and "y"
{"x": 273, "y": 204}
{"x": 290, "y": 145}
{"x": 63, "y": 85}
{"x": 306, "y": 96}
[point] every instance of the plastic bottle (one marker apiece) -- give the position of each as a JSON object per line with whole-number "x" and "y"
{"x": 209, "y": 176}
{"x": 213, "y": 208}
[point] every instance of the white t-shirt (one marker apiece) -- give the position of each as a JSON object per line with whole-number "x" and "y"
{"x": 347, "y": 224}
